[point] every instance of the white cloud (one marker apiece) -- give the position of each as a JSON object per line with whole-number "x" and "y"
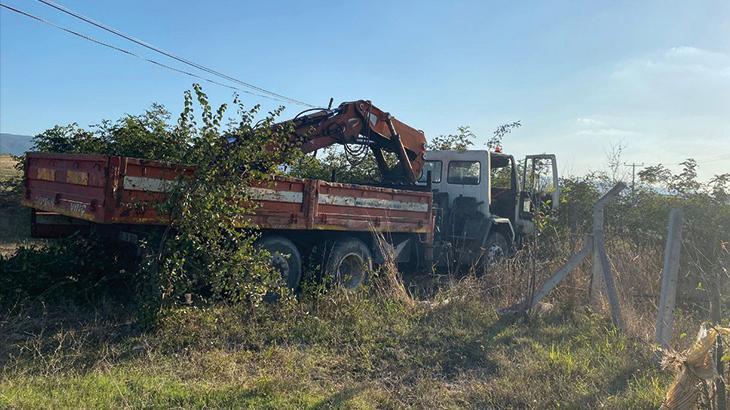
{"x": 664, "y": 106}
{"x": 607, "y": 132}
{"x": 683, "y": 60}
{"x": 676, "y": 82}
{"x": 589, "y": 121}
{"x": 667, "y": 105}
{"x": 604, "y": 127}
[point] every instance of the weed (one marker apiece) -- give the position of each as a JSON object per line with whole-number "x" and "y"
{"x": 338, "y": 349}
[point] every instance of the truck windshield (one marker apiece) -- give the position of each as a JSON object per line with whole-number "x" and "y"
{"x": 435, "y": 168}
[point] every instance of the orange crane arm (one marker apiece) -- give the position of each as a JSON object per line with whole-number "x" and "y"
{"x": 360, "y": 122}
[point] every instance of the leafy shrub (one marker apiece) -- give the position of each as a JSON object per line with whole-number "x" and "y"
{"x": 74, "y": 269}
{"x": 142, "y": 136}
{"x": 207, "y": 250}
{"x": 636, "y": 223}
{"x": 208, "y": 247}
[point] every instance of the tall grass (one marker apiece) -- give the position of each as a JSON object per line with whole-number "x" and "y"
{"x": 337, "y": 348}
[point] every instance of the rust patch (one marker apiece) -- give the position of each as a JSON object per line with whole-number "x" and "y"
{"x": 77, "y": 177}
{"x": 46, "y": 174}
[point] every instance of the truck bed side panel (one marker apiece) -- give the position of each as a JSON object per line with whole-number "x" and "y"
{"x": 69, "y": 184}
{"x": 281, "y": 203}
{"x": 139, "y": 187}
{"x": 362, "y": 208}
{"x": 118, "y": 190}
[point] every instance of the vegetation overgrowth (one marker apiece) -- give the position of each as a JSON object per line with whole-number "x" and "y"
{"x": 200, "y": 319}
{"x": 207, "y": 249}
{"x": 331, "y": 349}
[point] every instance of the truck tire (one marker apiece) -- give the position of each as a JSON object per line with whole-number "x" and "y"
{"x": 496, "y": 248}
{"x": 285, "y": 258}
{"x": 349, "y": 263}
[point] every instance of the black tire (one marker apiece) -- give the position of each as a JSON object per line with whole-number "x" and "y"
{"x": 285, "y": 258}
{"x": 349, "y": 263}
{"x": 495, "y": 249}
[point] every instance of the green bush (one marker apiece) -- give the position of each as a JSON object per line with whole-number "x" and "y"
{"x": 207, "y": 249}
{"x": 72, "y": 270}
{"x": 638, "y": 218}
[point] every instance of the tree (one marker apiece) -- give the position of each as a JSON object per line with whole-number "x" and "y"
{"x": 207, "y": 249}
{"x": 499, "y": 134}
{"x": 461, "y": 141}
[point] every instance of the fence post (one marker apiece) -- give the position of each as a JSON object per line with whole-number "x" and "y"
{"x": 668, "y": 297}
{"x": 715, "y": 316}
{"x": 599, "y": 252}
{"x": 571, "y": 264}
{"x": 597, "y": 284}
{"x": 720, "y": 388}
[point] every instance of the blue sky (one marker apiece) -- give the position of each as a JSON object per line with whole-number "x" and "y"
{"x": 581, "y": 76}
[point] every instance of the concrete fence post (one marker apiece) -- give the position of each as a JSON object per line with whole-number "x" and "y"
{"x": 602, "y": 269}
{"x": 597, "y": 283}
{"x": 558, "y": 276}
{"x": 670, "y": 272}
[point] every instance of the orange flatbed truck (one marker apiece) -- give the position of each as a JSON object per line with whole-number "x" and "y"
{"x": 432, "y": 207}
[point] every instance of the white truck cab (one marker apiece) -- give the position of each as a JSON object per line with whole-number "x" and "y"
{"x": 478, "y": 194}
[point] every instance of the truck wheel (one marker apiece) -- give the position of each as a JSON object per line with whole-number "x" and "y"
{"x": 349, "y": 263}
{"x": 285, "y": 258}
{"x": 496, "y": 248}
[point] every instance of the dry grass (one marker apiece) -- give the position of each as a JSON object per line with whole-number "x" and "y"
{"x": 7, "y": 167}
{"x": 341, "y": 351}
{"x": 380, "y": 348}
{"x": 390, "y": 281}
{"x": 14, "y": 219}
{"x": 383, "y": 348}
{"x": 637, "y": 273}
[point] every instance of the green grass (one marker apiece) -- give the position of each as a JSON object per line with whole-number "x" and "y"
{"x": 130, "y": 387}
{"x": 351, "y": 351}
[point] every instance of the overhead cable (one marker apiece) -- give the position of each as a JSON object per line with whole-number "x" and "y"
{"x": 127, "y": 52}
{"x": 169, "y": 54}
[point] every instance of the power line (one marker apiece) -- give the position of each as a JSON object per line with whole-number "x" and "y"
{"x": 127, "y": 52}
{"x": 169, "y": 54}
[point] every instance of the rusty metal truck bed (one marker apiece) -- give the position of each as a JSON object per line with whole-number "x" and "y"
{"x": 120, "y": 190}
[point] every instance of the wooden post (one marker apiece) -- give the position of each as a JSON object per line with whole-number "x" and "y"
{"x": 670, "y": 272}
{"x": 604, "y": 271}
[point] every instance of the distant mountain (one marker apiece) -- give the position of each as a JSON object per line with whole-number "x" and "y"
{"x": 15, "y": 144}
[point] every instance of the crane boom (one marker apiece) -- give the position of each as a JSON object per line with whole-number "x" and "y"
{"x": 362, "y": 123}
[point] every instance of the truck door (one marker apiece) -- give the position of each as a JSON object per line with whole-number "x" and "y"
{"x": 539, "y": 184}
